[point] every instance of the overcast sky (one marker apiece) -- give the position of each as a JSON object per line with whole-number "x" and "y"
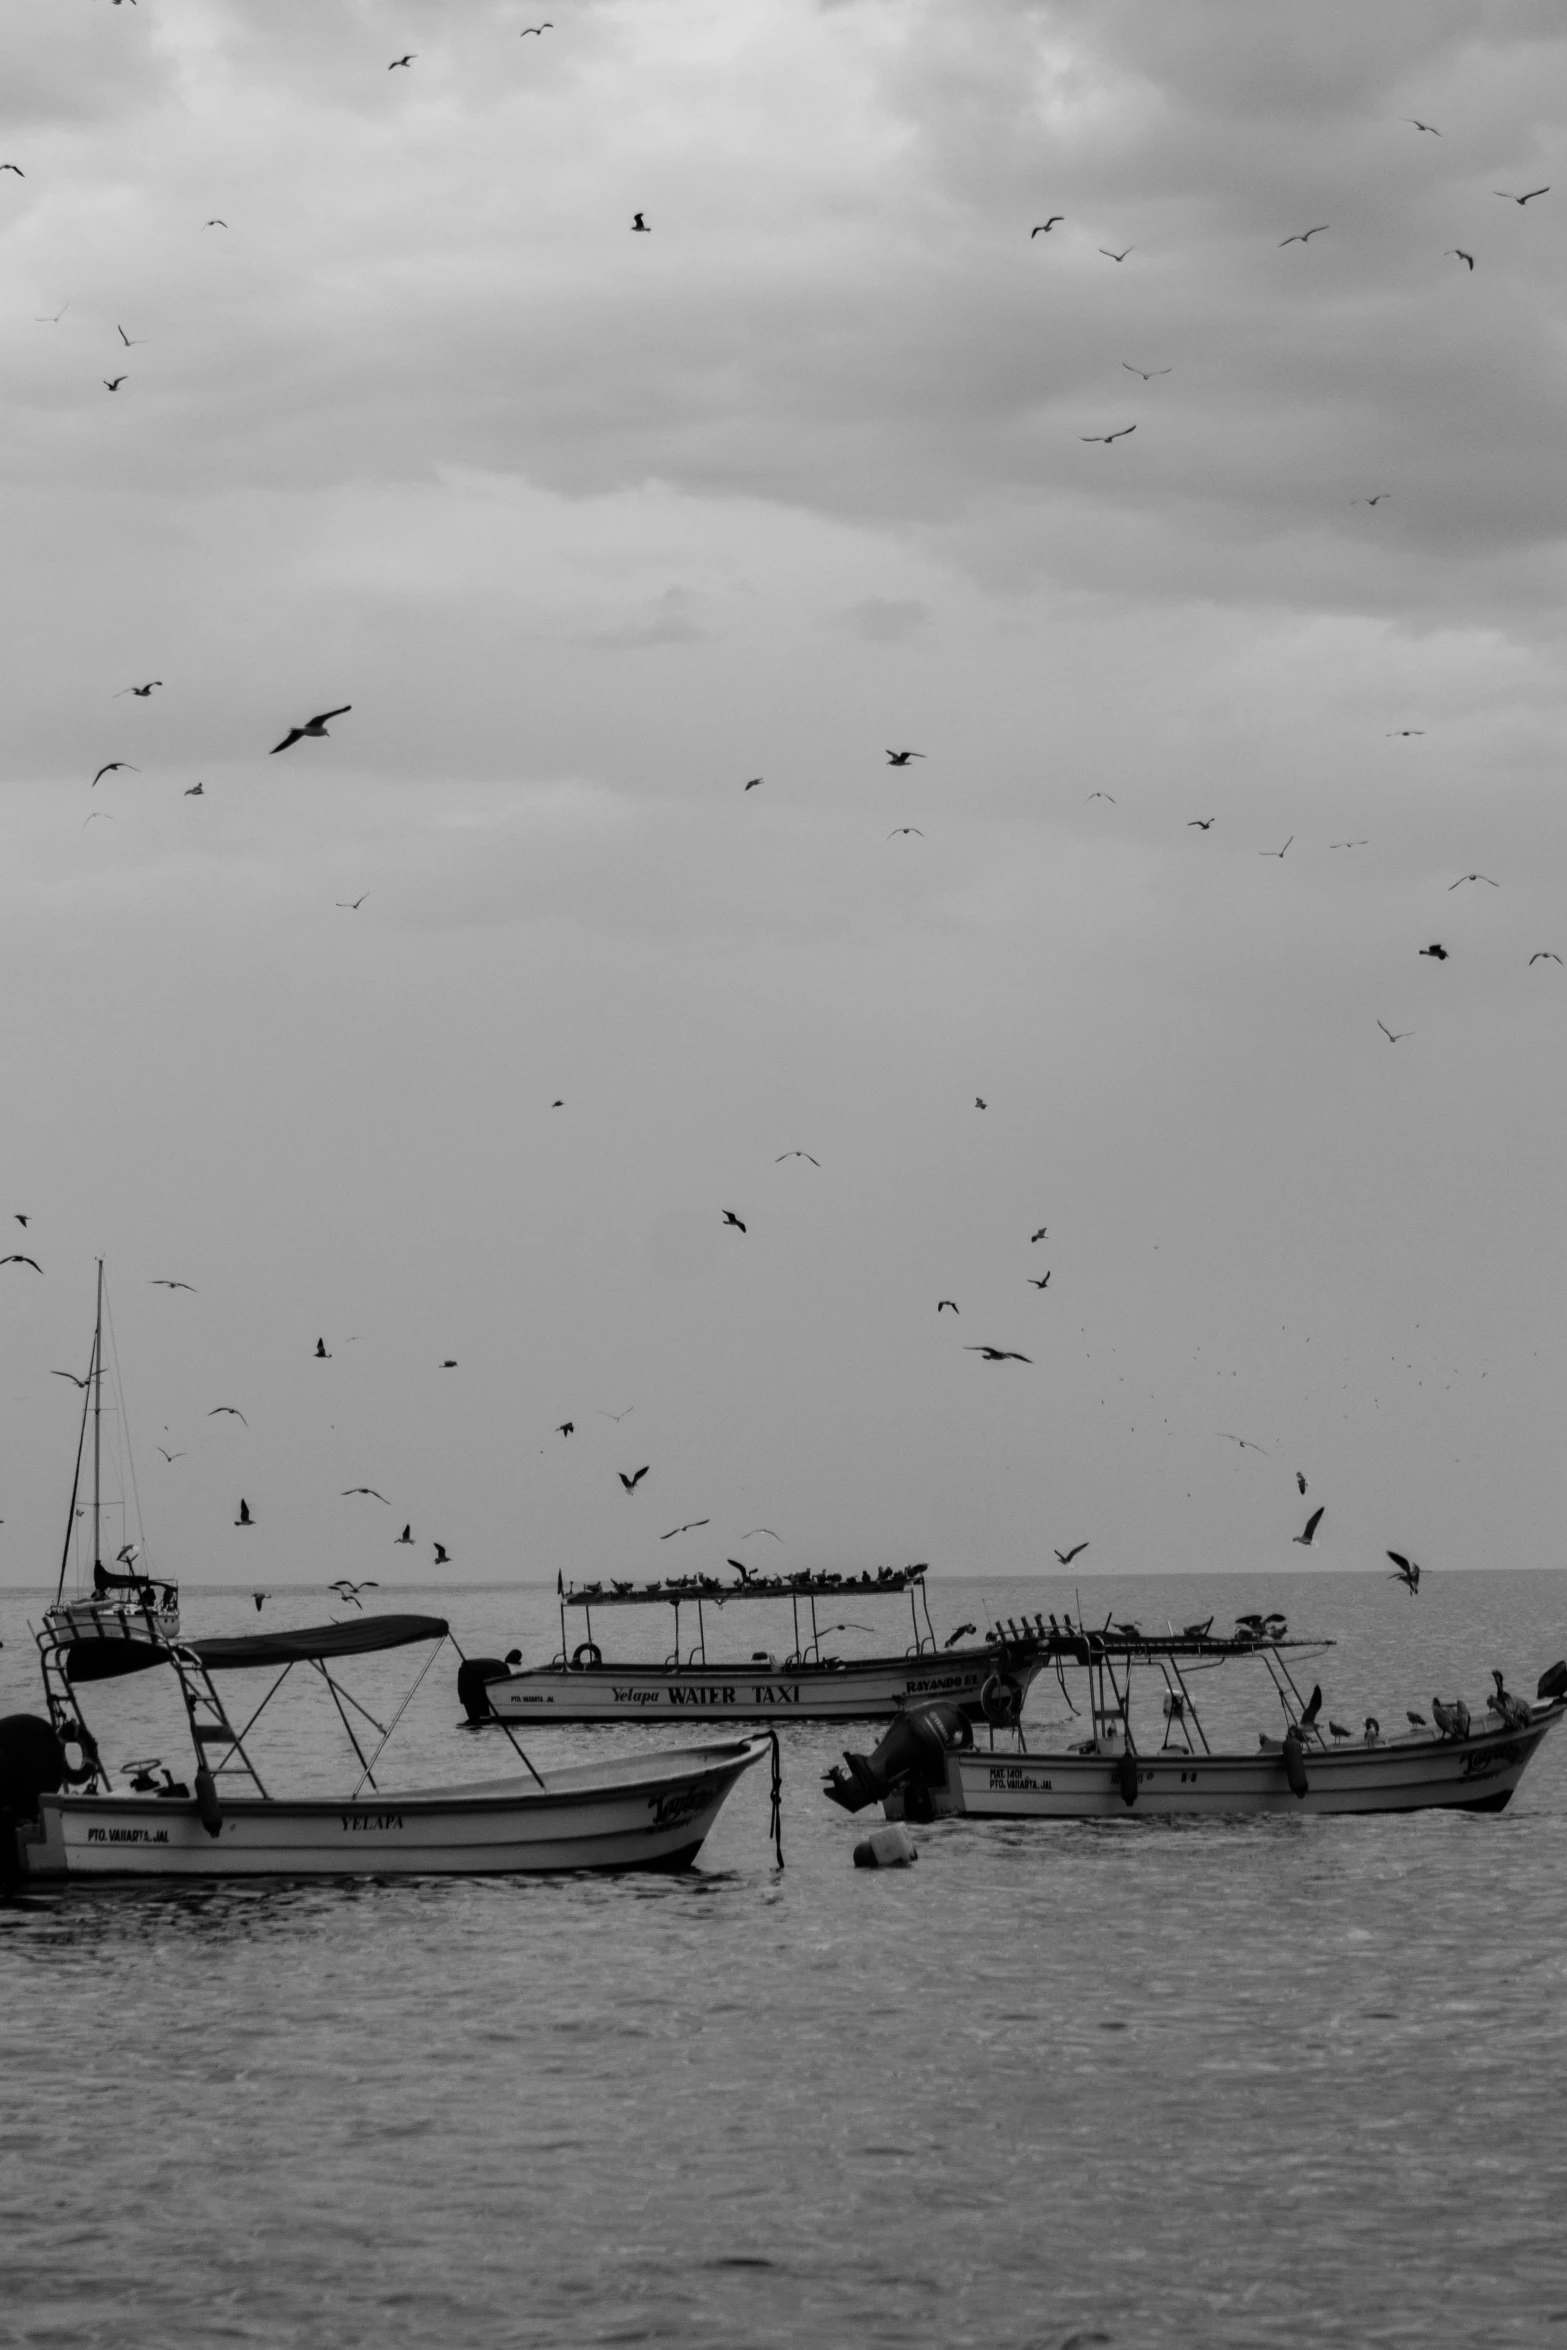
{"x": 589, "y": 528}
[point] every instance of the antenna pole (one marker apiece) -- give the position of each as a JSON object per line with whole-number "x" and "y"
{"x": 97, "y": 1426}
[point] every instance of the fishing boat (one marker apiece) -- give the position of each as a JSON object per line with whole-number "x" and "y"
{"x": 61, "y": 1815}
{"x": 930, "y": 1765}
{"x": 807, "y": 1682}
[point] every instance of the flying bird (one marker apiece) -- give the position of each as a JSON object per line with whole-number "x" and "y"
{"x": 244, "y": 1518}
{"x": 162, "y": 1281}
{"x": 1303, "y": 236}
{"x": 113, "y": 383}
{"x": 260, "y": 1598}
{"x": 1119, "y": 434}
{"x": 443, "y": 1557}
{"x": 998, "y": 1354}
{"x": 141, "y": 691}
{"x": 1404, "y": 1571}
{"x": 1200, "y": 823}
{"x": 206, "y": 224}
{"x": 352, "y": 905}
{"x": 321, "y": 1354}
{"x": 1046, "y": 226}
{"x": 902, "y": 758}
{"x": 943, "y": 1303}
{"x": 1147, "y": 373}
{"x": 778, "y": 1162}
{"x": 900, "y": 828}
{"x": 1039, "y": 1235}
{"x": 24, "y": 1221}
{"x": 1437, "y": 952}
{"x": 1109, "y": 256}
{"x": 1349, "y": 844}
{"x": 1244, "y": 1442}
{"x": 350, "y": 1591}
{"x": 1300, "y": 1481}
{"x": 1463, "y": 877}
{"x": 113, "y": 767}
{"x": 690, "y": 1525}
{"x": 1389, "y": 1034}
{"x": 751, "y": 786}
{"x": 196, "y": 791}
{"x": 639, "y": 226}
{"x": 1101, "y": 795}
{"x": 631, "y": 1483}
{"x": 1312, "y": 1523}
{"x": 1312, "y": 1707}
{"x": 130, "y": 341}
{"x": 980, "y": 1102}
{"x": 397, "y": 61}
{"x": 1423, "y": 126}
{"x": 1376, "y": 501}
{"x": 1509, "y": 198}
{"x": 21, "y": 1260}
{"x": 546, "y": 27}
{"x": 350, "y": 1490}
{"x": 75, "y": 1382}
{"x": 1544, "y": 955}
{"x": 767, "y": 1530}
{"x": 317, "y": 725}
{"x": 1067, "y": 1556}
{"x": 567, "y": 1428}
{"x": 450, "y": 1363}
{"x": 1402, "y": 734}
{"x": 406, "y": 1535}
{"x": 233, "y": 1412}
{"x": 171, "y": 1457}
{"x": 731, "y": 1218}
{"x": 1033, "y": 1284}
{"x": 16, "y": 167}
{"x": 1288, "y": 845}
{"x": 1457, "y": 253}
{"x": 52, "y": 317}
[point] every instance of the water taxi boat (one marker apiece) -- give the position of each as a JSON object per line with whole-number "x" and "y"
{"x": 806, "y": 1683}
{"x": 61, "y": 1816}
{"x": 929, "y": 1766}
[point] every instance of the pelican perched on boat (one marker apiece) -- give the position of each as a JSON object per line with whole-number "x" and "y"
{"x": 1452, "y": 1720}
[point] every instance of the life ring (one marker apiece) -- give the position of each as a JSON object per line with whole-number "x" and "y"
{"x": 1001, "y": 1701}
{"x": 589, "y": 1652}
{"x": 88, "y": 1767}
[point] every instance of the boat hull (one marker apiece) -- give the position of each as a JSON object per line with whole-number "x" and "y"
{"x": 868, "y": 1689}
{"x": 649, "y": 1811}
{"x": 1477, "y": 1773}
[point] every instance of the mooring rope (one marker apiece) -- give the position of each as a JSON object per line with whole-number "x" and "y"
{"x": 775, "y": 1825}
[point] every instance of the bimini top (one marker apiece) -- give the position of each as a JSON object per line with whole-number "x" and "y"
{"x": 314, "y": 1640}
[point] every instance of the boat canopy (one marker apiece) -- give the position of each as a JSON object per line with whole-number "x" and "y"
{"x": 313, "y": 1641}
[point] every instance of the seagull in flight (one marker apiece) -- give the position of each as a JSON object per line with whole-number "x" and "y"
{"x": 1109, "y": 256}
{"x": 141, "y": 691}
{"x": 903, "y": 828}
{"x": 566, "y": 1428}
{"x": 1119, "y": 434}
{"x": 1463, "y": 877}
{"x": 1457, "y": 253}
{"x": 1312, "y": 1523}
{"x": 406, "y": 1535}
{"x": 349, "y": 1490}
{"x": 112, "y": 384}
{"x": 690, "y": 1525}
{"x": 1423, "y": 126}
{"x": 1400, "y": 734}
{"x": 130, "y": 341}
{"x": 1544, "y": 955}
{"x": 1039, "y": 1235}
{"x": 196, "y": 791}
{"x": 316, "y": 725}
{"x": 631, "y": 1483}
{"x": 397, "y": 61}
{"x": 546, "y": 27}
{"x": 16, "y": 167}
{"x": 1102, "y": 795}
{"x": 1067, "y": 1556}
{"x": 170, "y": 1457}
{"x": 778, "y": 1162}
{"x": 1388, "y": 1033}
{"x": 1200, "y": 823}
{"x": 53, "y": 317}
{"x": 1244, "y": 1442}
{"x": 321, "y": 1354}
{"x": 1303, "y": 236}
{"x": 206, "y": 224}
{"x": 75, "y": 1382}
{"x": 21, "y": 1260}
{"x": 1435, "y": 950}
{"x": 751, "y": 786}
{"x": 1147, "y": 373}
{"x": 1033, "y": 1284}
{"x": 233, "y": 1412}
{"x": 731, "y": 1218}
{"x": 443, "y": 1557}
{"x": 352, "y": 905}
{"x": 639, "y": 226}
{"x": 944, "y": 1303}
{"x": 350, "y": 1591}
{"x": 162, "y": 1281}
{"x": 244, "y": 1518}
{"x": 902, "y": 758}
{"x": 112, "y": 767}
{"x": 1404, "y": 1571}
{"x": 998, "y": 1354}
{"x": 1278, "y": 852}
{"x": 1046, "y": 226}
{"x": 1509, "y": 198}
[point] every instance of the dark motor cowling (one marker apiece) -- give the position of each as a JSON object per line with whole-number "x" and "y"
{"x": 32, "y": 1764}
{"x": 472, "y": 1674}
{"x": 913, "y": 1755}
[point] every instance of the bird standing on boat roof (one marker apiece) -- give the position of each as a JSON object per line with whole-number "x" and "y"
{"x": 1514, "y": 1711}
{"x": 1338, "y": 1730}
{"x": 1452, "y": 1720}
{"x": 1373, "y": 1729}
{"x": 1418, "y": 1720}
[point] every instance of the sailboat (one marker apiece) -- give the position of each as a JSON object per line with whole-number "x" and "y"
{"x": 124, "y": 1618}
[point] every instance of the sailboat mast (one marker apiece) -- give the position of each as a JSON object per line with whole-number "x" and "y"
{"x": 97, "y": 1424}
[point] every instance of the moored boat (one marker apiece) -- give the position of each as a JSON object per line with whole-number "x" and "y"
{"x": 929, "y": 1765}
{"x": 806, "y": 1683}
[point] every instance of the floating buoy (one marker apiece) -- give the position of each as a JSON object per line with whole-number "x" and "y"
{"x": 1126, "y": 1777}
{"x": 891, "y": 1847}
{"x": 207, "y": 1803}
{"x": 1295, "y": 1763}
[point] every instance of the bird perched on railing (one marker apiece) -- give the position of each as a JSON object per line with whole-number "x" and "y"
{"x": 1514, "y": 1711}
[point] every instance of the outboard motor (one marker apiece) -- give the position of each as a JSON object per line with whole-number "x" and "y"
{"x": 913, "y": 1756}
{"x": 32, "y": 1764}
{"x": 472, "y": 1674}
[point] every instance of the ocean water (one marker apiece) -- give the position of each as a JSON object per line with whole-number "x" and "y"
{"x": 1233, "y": 2083}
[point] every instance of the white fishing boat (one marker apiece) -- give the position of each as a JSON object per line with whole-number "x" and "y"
{"x": 929, "y": 1766}
{"x": 805, "y": 1681}
{"x": 63, "y": 1816}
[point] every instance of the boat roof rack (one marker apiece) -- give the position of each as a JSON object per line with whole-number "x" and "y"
{"x": 675, "y": 1588}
